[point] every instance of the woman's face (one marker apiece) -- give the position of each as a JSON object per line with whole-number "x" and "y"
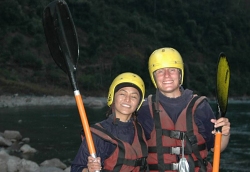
{"x": 126, "y": 102}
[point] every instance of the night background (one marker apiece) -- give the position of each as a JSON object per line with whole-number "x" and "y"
{"x": 119, "y": 35}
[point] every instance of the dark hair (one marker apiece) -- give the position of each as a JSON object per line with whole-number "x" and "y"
{"x": 109, "y": 112}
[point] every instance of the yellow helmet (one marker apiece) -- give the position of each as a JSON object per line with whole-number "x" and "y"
{"x": 126, "y": 79}
{"x": 165, "y": 57}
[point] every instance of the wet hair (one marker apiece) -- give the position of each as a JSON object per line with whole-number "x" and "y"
{"x": 133, "y": 116}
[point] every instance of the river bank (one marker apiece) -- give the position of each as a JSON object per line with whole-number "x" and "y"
{"x": 7, "y": 101}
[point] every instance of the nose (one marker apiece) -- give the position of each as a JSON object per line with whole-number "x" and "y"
{"x": 166, "y": 72}
{"x": 127, "y": 98}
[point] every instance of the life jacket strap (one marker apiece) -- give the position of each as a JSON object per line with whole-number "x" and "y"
{"x": 173, "y": 134}
{"x": 174, "y": 166}
{"x": 175, "y": 150}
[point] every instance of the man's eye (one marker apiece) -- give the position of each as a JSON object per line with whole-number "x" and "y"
{"x": 158, "y": 71}
{"x": 172, "y": 69}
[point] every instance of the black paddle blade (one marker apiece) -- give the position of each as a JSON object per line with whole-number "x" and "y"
{"x": 223, "y": 77}
{"x": 61, "y": 35}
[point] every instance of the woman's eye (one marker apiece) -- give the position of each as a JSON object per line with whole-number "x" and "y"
{"x": 135, "y": 97}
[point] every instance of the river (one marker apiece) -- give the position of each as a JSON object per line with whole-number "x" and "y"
{"x": 55, "y": 132}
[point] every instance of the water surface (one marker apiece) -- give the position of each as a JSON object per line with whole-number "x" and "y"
{"x": 55, "y": 132}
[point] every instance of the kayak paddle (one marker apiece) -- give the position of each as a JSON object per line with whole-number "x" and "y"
{"x": 223, "y": 77}
{"x": 62, "y": 41}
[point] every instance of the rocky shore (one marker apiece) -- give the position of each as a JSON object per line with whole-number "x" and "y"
{"x": 16, "y": 101}
{"x": 12, "y": 142}
{"x": 8, "y": 101}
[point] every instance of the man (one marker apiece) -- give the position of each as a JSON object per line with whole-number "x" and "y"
{"x": 175, "y": 115}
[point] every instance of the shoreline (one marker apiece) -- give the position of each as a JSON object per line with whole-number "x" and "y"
{"x": 9, "y": 101}
{"x": 18, "y": 101}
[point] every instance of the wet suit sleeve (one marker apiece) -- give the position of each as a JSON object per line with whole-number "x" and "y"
{"x": 203, "y": 115}
{"x": 103, "y": 150}
{"x": 145, "y": 119}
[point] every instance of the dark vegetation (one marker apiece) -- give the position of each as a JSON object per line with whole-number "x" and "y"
{"x": 119, "y": 35}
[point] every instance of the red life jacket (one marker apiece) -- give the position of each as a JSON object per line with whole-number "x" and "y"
{"x": 165, "y": 146}
{"x": 126, "y": 157}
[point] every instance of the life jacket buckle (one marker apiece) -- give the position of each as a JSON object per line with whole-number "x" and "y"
{"x": 138, "y": 162}
{"x": 141, "y": 162}
{"x": 175, "y": 166}
{"x": 193, "y": 139}
{"x": 205, "y": 162}
{"x": 175, "y": 150}
{"x": 177, "y": 134}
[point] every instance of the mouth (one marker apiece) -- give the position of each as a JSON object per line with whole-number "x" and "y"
{"x": 125, "y": 105}
{"x": 168, "y": 82}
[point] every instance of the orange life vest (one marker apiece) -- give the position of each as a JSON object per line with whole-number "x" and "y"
{"x": 126, "y": 157}
{"x": 165, "y": 146}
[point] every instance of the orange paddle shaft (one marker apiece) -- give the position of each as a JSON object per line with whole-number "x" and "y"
{"x": 85, "y": 123}
{"x": 217, "y": 145}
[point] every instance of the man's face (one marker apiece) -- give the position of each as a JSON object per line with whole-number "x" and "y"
{"x": 168, "y": 81}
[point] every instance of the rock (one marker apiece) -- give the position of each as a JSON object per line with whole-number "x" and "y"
{"x": 15, "y": 147}
{"x": 5, "y": 142}
{"x": 3, "y": 161}
{"x": 50, "y": 169}
{"x": 53, "y": 163}
{"x": 67, "y": 169}
{"x": 3, "y": 166}
{"x": 27, "y": 149}
{"x": 9, "y": 134}
{"x": 13, "y": 143}
{"x": 26, "y": 140}
{"x": 28, "y": 166}
{"x": 13, "y": 163}
{"x": 16, "y": 101}
{"x": 96, "y": 104}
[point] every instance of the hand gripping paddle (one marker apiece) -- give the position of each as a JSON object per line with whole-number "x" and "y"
{"x": 223, "y": 77}
{"x": 62, "y": 41}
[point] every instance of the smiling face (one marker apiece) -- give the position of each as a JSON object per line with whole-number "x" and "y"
{"x": 126, "y": 101}
{"x": 168, "y": 81}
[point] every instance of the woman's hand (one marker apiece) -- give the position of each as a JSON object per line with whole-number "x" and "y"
{"x": 94, "y": 164}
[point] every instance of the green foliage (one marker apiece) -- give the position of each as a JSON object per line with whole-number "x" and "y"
{"x": 27, "y": 59}
{"x": 4, "y": 56}
{"x": 124, "y": 64}
{"x": 5, "y": 73}
{"x": 88, "y": 82}
{"x": 119, "y": 35}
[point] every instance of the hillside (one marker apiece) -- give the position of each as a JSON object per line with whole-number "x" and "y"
{"x": 117, "y": 36}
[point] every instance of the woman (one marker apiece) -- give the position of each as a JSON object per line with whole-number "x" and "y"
{"x": 119, "y": 140}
